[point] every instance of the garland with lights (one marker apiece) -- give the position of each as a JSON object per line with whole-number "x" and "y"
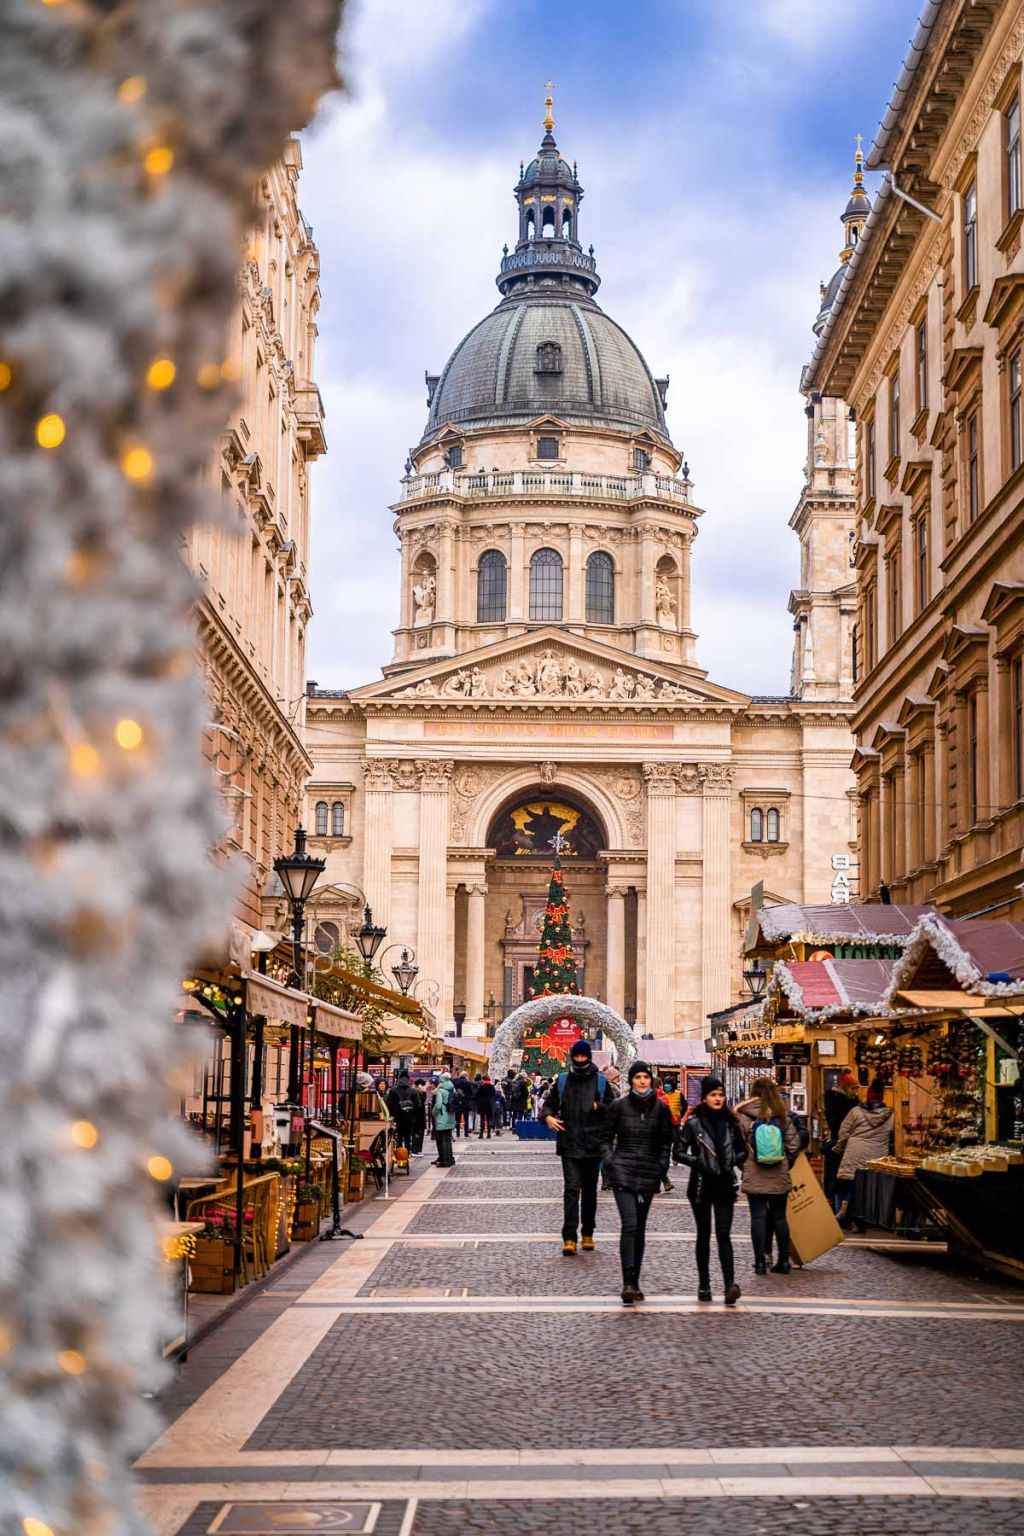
{"x": 133, "y": 132}
{"x": 554, "y": 976}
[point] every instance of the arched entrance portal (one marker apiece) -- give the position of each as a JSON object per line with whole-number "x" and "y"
{"x": 541, "y": 1010}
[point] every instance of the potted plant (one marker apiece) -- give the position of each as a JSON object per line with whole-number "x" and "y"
{"x": 212, "y": 1266}
{"x": 306, "y": 1225}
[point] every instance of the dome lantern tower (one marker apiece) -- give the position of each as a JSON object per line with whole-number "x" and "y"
{"x": 549, "y": 195}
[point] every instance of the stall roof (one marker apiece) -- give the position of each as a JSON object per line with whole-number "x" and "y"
{"x": 817, "y": 987}
{"x": 971, "y": 956}
{"x": 841, "y": 922}
{"x": 673, "y": 1053}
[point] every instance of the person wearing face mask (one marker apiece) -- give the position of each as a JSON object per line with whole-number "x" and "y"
{"x": 712, "y": 1145}
{"x": 575, "y": 1109}
{"x": 636, "y": 1145}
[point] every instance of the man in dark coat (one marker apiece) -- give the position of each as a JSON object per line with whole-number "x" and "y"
{"x": 465, "y": 1117}
{"x": 406, "y": 1106}
{"x": 486, "y": 1094}
{"x": 576, "y": 1112}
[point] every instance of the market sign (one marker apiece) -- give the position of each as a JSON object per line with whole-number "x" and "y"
{"x": 841, "y": 884}
{"x": 796, "y": 1053}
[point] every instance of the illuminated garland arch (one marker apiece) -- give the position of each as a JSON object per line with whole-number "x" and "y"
{"x": 542, "y": 1010}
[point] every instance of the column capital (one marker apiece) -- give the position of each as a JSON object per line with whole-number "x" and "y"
{"x": 660, "y": 777}
{"x": 476, "y": 889}
{"x": 377, "y": 773}
{"x": 616, "y": 892}
{"x": 434, "y": 773}
{"x": 715, "y": 778}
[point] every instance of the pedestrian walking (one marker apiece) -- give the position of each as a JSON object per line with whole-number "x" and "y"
{"x": 839, "y": 1100}
{"x": 519, "y": 1098}
{"x": 575, "y": 1108}
{"x": 420, "y": 1126}
{"x": 663, "y": 1098}
{"x": 712, "y": 1145}
{"x": 486, "y": 1098}
{"x": 636, "y": 1146}
{"x": 405, "y": 1106}
{"x": 864, "y": 1134}
{"x": 465, "y": 1095}
{"x": 444, "y": 1121}
{"x": 773, "y": 1144}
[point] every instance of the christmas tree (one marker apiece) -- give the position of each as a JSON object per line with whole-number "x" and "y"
{"x": 555, "y": 975}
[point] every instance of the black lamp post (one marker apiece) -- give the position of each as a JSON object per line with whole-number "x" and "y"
{"x": 298, "y": 872}
{"x": 756, "y": 978}
{"x": 369, "y": 938}
{"x": 459, "y": 1015}
{"x": 405, "y": 972}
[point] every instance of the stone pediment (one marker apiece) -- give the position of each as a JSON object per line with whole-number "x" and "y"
{"x": 547, "y": 668}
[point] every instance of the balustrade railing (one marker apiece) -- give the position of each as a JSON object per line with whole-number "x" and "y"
{"x": 522, "y": 482}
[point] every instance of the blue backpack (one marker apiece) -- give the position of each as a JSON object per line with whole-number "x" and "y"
{"x": 602, "y": 1084}
{"x": 767, "y": 1143}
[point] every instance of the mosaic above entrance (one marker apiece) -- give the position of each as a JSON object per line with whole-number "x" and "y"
{"x": 527, "y": 830}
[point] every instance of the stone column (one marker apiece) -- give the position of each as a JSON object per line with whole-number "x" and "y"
{"x": 448, "y": 977}
{"x": 377, "y": 816}
{"x": 641, "y": 957}
{"x": 1004, "y": 789}
{"x": 660, "y": 779}
{"x": 432, "y": 909}
{"x": 648, "y": 561}
{"x": 517, "y": 602}
{"x": 716, "y": 956}
{"x": 616, "y": 979}
{"x": 475, "y": 952}
{"x": 445, "y": 556}
{"x": 575, "y": 611}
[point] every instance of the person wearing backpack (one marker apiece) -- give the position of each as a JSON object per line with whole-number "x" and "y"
{"x": 636, "y": 1146}
{"x": 574, "y": 1107}
{"x": 773, "y": 1142}
{"x": 486, "y": 1097}
{"x": 444, "y": 1121}
{"x": 711, "y": 1144}
{"x": 406, "y": 1107}
{"x": 466, "y": 1093}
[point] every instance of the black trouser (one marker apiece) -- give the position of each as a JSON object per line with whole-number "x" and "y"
{"x": 768, "y": 1217}
{"x": 403, "y": 1132}
{"x": 462, "y": 1122}
{"x": 579, "y": 1200}
{"x": 445, "y": 1155}
{"x": 419, "y": 1132}
{"x": 633, "y": 1212}
{"x": 719, "y": 1209}
{"x": 486, "y": 1119}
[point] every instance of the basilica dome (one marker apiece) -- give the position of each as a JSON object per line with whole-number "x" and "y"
{"x": 548, "y": 348}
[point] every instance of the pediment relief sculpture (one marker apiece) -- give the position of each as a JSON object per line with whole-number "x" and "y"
{"x": 551, "y": 675}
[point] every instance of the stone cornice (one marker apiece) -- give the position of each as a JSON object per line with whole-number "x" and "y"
{"x": 218, "y": 644}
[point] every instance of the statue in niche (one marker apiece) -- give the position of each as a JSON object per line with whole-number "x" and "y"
{"x": 423, "y": 594}
{"x": 665, "y": 604}
{"x": 549, "y": 678}
{"x": 623, "y": 685}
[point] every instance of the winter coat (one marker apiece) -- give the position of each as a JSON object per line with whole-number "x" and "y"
{"x": 837, "y": 1106}
{"x": 710, "y": 1177}
{"x": 767, "y": 1178}
{"x": 580, "y": 1112}
{"x": 444, "y": 1119}
{"x": 486, "y": 1093}
{"x": 865, "y": 1133}
{"x": 406, "y": 1104}
{"x": 467, "y": 1089}
{"x": 636, "y": 1143}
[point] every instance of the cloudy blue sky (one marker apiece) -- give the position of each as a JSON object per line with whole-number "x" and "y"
{"x": 714, "y": 141}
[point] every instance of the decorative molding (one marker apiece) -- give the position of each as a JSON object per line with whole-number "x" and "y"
{"x": 715, "y": 778}
{"x": 548, "y": 772}
{"x": 554, "y": 674}
{"x": 434, "y": 773}
{"x": 901, "y": 321}
{"x": 377, "y": 773}
{"x": 980, "y": 116}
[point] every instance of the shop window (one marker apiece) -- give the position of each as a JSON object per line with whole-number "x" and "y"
{"x": 546, "y": 586}
{"x": 320, "y": 818}
{"x": 491, "y": 588}
{"x": 600, "y": 589}
{"x": 337, "y": 819}
{"x": 757, "y": 826}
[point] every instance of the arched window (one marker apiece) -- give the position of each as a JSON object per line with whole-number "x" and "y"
{"x": 548, "y": 225}
{"x": 773, "y": 826}
{"x": 337, "y": 819}
{"x": 327, "y": 938}
{"x": 546, "y": 585}
{"x": 600, "y": 589}
{"x": 566, "y": 223}
{"x": 531, "y": 224}
{"x": 491, "y": 588}
{"x": 757, "y": 826}
{"x": 320, "y": 818}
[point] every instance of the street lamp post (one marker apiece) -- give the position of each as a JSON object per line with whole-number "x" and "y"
{"x": 369, "y": 938}
{"x": 756, "y": 978}
{"x": 298, "y": 872}
{"x": 459, "y": 1015}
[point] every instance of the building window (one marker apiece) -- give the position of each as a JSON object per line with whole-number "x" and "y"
{"x": 870, "y": 476}
{"x": 337, "y": 819}
{"x": 320, "y": 818}
{"x": 1012, "y": 121}
{"x": 870, "y": 629}
{"x": 547, "y": 447}
{"x": 921, "y": 342}
{"x": 895, "y": 616}
{"x": 327, "y": 938}
{"x": 894, "y": 416}
{"x": 1015, "y": 409}
{"x": 757, "y": 826}
{"x": 921, "y": 554}
{"x": 972, "y": 755}
{"x": 546, "y": 585}
{"x": 773, "y": 820}
{"x": 641, "y": 459}
{"x": 855, "y": 652}
{"x": 971, "y": 237}
{"x": 600, "y": 589}
{"x": 549, "y": 358}
{"x": 491, "y": 588}
{"x": 1017, "y": 725}
{"x": 973, "y": 468}
{"x": 453, "y": 456}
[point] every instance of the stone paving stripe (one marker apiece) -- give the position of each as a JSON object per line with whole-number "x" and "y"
{"x": 167, "y": 1512}
{"x": 409, "y": 1518}
{"x": 505, "y": 1306}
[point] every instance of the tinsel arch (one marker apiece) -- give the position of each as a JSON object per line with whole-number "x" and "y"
{"x": 542, "y": 1010}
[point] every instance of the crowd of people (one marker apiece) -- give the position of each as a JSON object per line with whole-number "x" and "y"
{"x": 627, "y": 1143}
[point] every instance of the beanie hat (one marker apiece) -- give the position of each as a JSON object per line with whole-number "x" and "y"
{"x": 847, "y": 1080}
{"x": 580, "y": 1048}
{"x": 708, "y": 1085}
{"x": 639, "y": 1066}
{"x": 876, "y": 1093}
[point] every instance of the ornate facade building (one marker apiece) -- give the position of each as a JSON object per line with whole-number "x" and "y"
{"x": 922, "y": 336}
{"x": 545, "y": 677}
{"x": 252, "y": 616}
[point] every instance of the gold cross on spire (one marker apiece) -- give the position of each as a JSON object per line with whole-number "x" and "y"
{"x": 858, "y": 160}
{"x": 549, "y": 121}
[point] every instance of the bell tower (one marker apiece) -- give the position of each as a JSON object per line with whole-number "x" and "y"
{"x": 549, "y": 194}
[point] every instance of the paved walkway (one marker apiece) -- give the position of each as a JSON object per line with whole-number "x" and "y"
{"x": 452, "y": 1372}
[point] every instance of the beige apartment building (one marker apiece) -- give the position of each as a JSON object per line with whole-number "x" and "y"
{"x": 252, "y": 616}
{"x": 923, "y": 338}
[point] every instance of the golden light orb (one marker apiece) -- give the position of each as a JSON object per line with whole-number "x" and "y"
{"x": 137, "y": 463}
{"x": 160, "y": 1168}
{"x": 128, "y": 734}
{"x": 85, "y": 760}
{"x": 159, "y": 159}
{"x": 132, "y": 90}
{"x": 72, "y": 1362}
{"x": 30, "y": 1525}
{"x": 50, "y": 430}
{"x": 231, "y": 369}
{"x": 161, "y": 373}
{"x": 6, "y": 375}
{"x": 209, "y": 376}
{"x": 84, "y": 1134}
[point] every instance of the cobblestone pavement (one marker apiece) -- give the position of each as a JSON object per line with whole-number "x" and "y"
{"x": 454, "y": 1373}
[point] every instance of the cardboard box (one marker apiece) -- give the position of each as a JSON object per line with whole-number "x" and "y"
{"x": 813, "y": 1228}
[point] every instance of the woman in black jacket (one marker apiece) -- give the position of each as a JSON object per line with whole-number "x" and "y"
{"x": 636, "y": 1145}
{"x": 712, "y": 1145}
